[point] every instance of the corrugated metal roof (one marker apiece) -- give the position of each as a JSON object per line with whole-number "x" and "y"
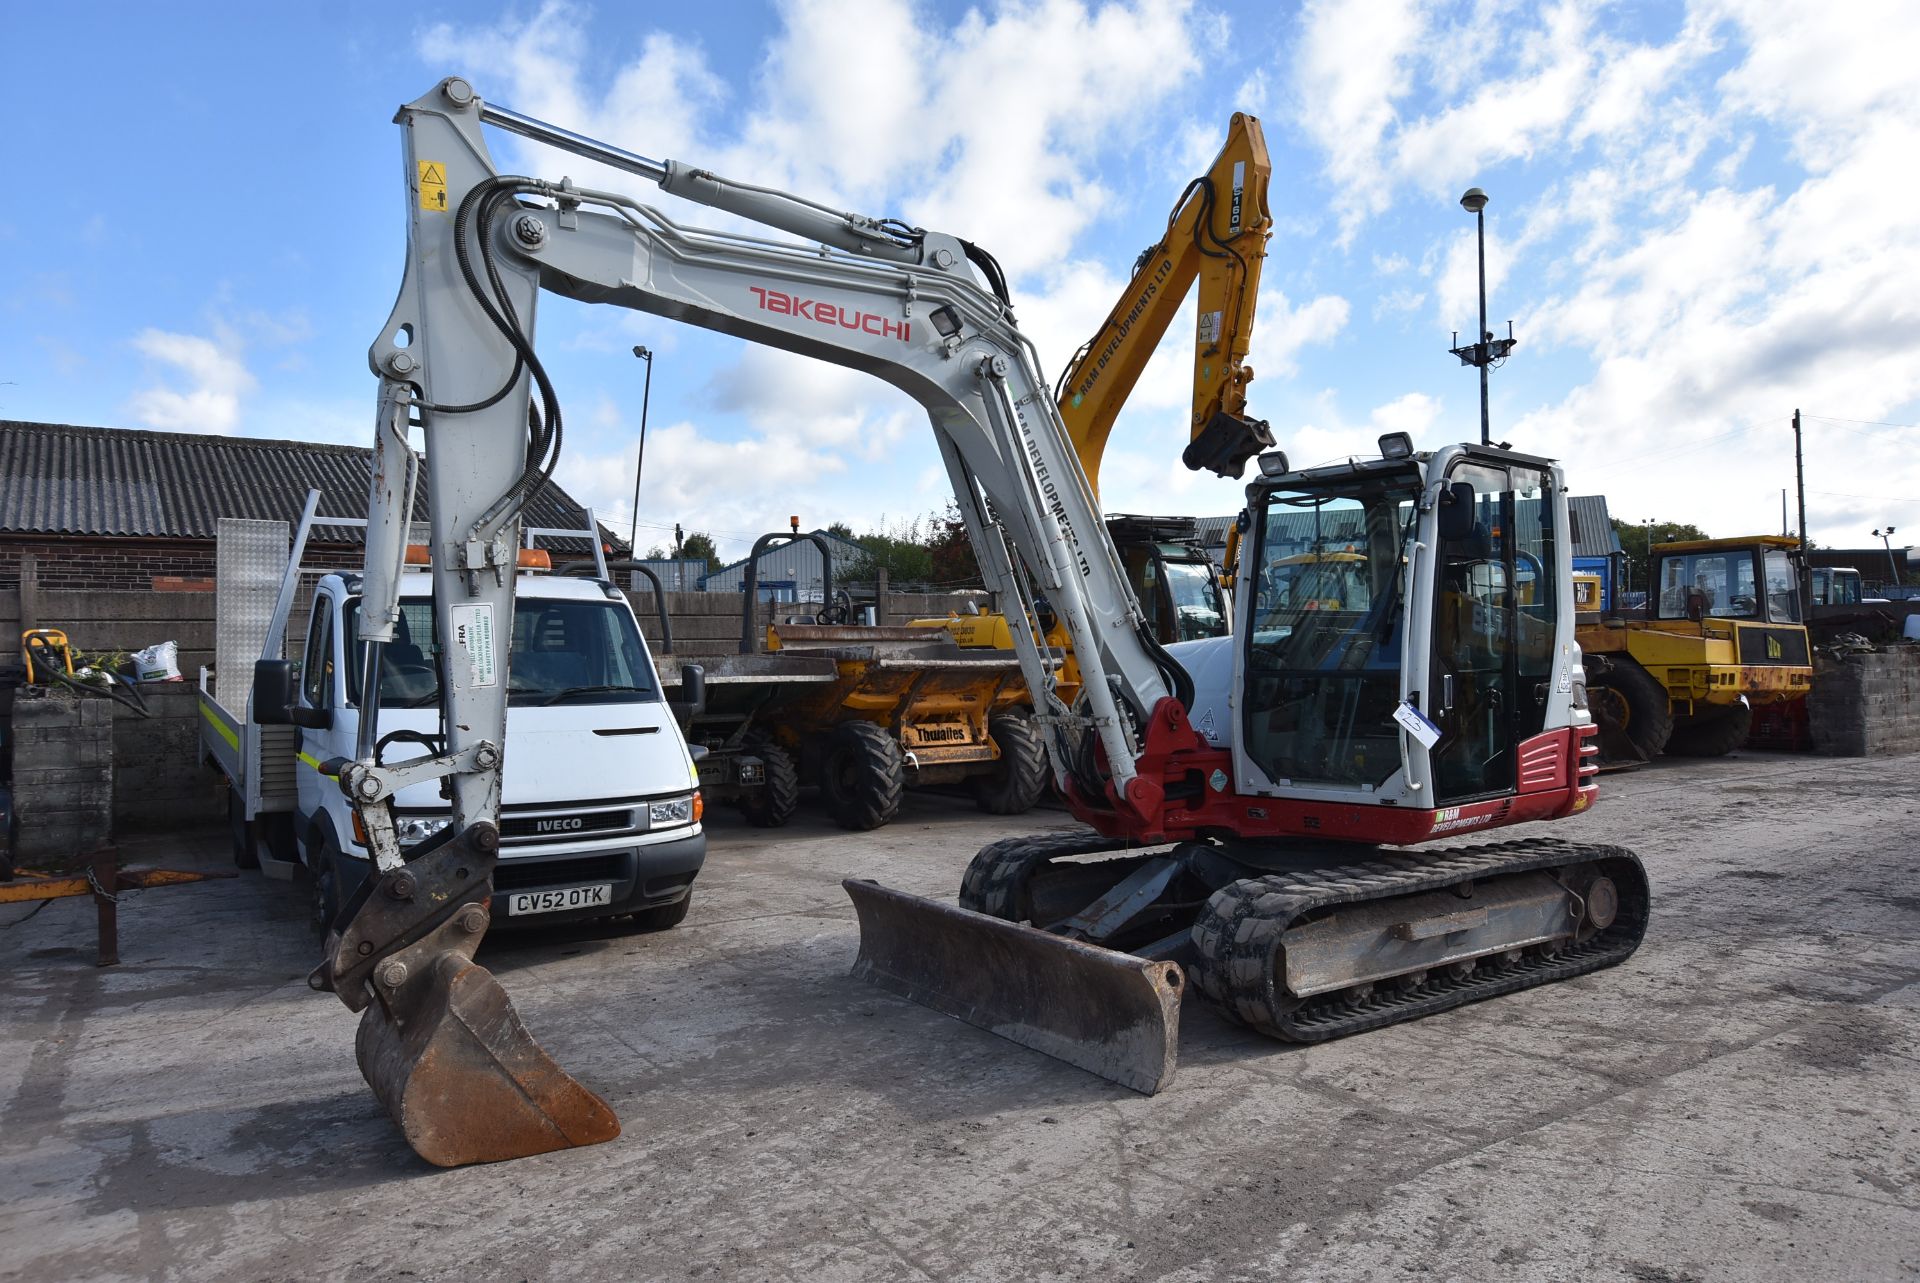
{"x": 59, "y": 479}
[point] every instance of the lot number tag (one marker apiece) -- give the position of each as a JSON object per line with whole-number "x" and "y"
{"x": 473, "y": 633}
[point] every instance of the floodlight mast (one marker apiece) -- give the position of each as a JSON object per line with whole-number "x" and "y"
{"x": 1488, "y": 351}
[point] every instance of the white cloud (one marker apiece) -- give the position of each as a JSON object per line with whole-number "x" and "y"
{"x": 1397, "y": 94}
{"x": 210, "y": 379}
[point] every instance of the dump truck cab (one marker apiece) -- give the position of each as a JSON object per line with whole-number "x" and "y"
{"x": 1724, "y": 632}
{"x": 1174, "y": 579}
{"x": 1836, "y": 586}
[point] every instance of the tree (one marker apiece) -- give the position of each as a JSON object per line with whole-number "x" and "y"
{"x": 951, "y": 551}
{"x": 699, "y": 546}
{"x": 841, "y": 530}
{"x": 1634, "y": 541}
{"x": 900, "y": 550}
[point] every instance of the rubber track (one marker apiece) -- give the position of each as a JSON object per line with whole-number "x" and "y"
{"x": 1020, "y": 773}
{"x": 1239, "y": 930}
{"x": 995, "y": 875}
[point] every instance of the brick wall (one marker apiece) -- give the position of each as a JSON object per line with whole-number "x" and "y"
{"x": 1866, "y": 705}
{"x": 130, "y": 565}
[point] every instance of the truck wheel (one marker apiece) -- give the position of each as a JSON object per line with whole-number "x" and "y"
{"x": 1714, "y": 733}
{"x": 246, "y": 855}
{"x": 323, "y": 884}
{"x": 773, "y": 804}
{"x": 664, "y": 917}
{"x": 864, "y": 776}
{"x": 1631, "y": 710}
{"x": 1019, "y": 777}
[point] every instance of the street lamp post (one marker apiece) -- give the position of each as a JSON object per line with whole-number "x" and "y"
{"x": 1488, "y": 351}
{"x": 1886, "y": 541}
{"x": 646, "y": 395}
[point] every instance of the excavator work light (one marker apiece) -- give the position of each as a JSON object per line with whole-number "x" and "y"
{"x": 945, "y": 320}
{"x": 1396, "y": 445}
{"x": 1273, "y": 463}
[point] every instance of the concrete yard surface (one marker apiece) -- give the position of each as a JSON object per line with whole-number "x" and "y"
{"x": 1740, "y": 1100}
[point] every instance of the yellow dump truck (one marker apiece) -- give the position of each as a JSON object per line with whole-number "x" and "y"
{"x": 1723, "y": 632}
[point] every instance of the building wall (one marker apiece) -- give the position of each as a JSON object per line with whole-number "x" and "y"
{"x": 157, "y": 772}
{"x": 132, "y": 565}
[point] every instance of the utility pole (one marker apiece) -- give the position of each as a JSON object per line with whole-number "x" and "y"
{"x": 646, "y": 395}
{"x": 1800, "y": 480}
{"x": 1488, "y": 351}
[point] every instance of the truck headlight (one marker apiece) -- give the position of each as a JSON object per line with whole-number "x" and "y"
{"x": 415, "y": 829}
{"x": 671, "y": 811}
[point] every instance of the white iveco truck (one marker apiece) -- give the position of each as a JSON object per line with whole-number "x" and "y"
{"x": 600, "y": 811}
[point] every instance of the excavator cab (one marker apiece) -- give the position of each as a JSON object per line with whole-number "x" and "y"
{"x": 1402, "y": 669}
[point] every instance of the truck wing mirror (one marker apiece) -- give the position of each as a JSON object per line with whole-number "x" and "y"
{"x": 272, "y": 692}
{"x": 1456, "y": 511}
{"x": 693, "y": 694}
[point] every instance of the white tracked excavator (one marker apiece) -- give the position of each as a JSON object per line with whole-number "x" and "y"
{"x": 1236, "y": 796}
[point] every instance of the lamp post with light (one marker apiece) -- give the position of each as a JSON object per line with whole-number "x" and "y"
{"x": 646, "y": 395}
{"x": 1886, "y": 541}
{"x": 1488, "y": 351}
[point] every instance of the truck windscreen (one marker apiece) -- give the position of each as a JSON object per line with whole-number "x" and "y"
{"x": 564, "y": 651}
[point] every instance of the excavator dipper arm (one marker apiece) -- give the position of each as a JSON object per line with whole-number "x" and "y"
{"x": 1216, "y": 235}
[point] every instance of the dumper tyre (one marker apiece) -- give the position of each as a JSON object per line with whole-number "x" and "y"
{"x": 773, "y": 804}
{"x": 1630, "y": 708}
{"x": 864, "y": 776}
{"x": 246, "y": 851}
{"x": 1019, "y": 775}
{"x": 1714, "y": 733}
{"x": 664, "y": 917}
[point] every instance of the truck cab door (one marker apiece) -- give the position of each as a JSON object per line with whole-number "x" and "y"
{"x": 317, "y": 679}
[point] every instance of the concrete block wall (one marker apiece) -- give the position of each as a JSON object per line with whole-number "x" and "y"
{"x": 1866, "y": 705}
{"x": 62, "y": 779}
{"x": 158, "y": 779}
{"x": 99, "y": 620}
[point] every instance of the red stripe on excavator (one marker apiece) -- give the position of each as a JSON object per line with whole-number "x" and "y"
{"x": 1160, "y": 806}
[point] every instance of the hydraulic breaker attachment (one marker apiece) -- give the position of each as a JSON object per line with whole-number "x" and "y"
{"x": 439, "y": 1041}
{"x": 1108, "y": 1012}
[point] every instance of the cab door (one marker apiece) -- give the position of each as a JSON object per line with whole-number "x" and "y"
{"x": 1496, "y": 597}
{"x": 316, "y": 691}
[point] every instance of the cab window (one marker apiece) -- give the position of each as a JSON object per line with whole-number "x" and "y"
{"x": 316, "y": 670}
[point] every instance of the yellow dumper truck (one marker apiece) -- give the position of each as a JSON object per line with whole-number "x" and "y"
{"x": 1723, "y": 632}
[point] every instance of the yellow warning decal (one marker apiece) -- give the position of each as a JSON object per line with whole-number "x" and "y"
{"x": 433, "y": 186}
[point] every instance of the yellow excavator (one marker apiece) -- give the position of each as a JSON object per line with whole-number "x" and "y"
{"x": 1216, "y": 237}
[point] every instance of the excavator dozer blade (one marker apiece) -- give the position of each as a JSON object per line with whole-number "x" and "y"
{"x": 464, "y": 1079}
{"x": 1109, "y": 1013}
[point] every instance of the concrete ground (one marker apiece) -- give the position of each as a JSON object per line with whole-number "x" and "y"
{"x": 1741, "y": 1100}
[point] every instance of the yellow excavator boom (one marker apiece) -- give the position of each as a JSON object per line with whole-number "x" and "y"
{"x": 1216, "y": 235}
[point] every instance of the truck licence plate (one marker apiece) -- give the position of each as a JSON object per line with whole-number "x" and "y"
{"x": 560, "y": 899}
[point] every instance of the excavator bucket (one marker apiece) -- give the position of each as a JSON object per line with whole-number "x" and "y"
{"x": 1109, "y": 1013}
{"x": 464, "y": 1079}
{"x": 439, "y": 1041}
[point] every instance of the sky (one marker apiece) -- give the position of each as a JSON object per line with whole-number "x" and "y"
{"x": 1702, "y": 216}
